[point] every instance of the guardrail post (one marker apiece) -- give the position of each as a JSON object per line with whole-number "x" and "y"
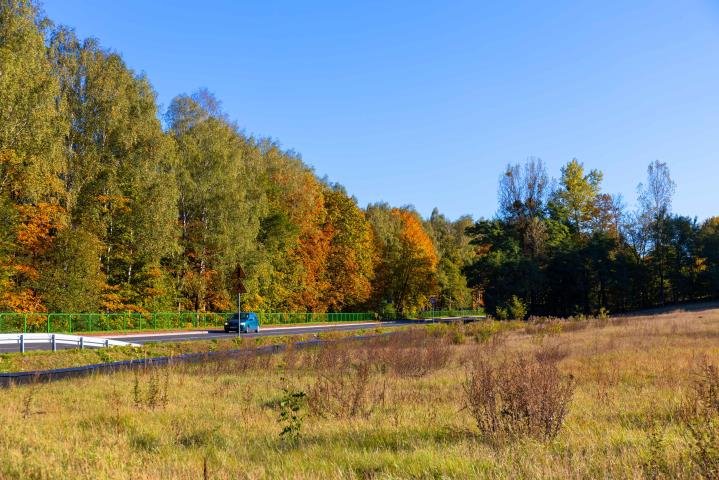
{"x": 22, "y": 343}
{"x": 82, "y": 343}
{"x": 107, "y": 343}
{"x": 54, "y": 343}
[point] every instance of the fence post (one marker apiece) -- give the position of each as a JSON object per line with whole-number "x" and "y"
{"x": 54, "y": 344}
{"x": 22, "y": 343}
{"x": 48, "y": 323}
{"x": 24, "y": 324}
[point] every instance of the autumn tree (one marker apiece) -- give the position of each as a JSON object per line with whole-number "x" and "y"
{"x": 350, "y": 261}
{"x": 219, "y": 207}
{"x": 576, "y": 201}
{"x": 455, "y": 253}
{"x": 406, "y": 274}
{"x": 119, "y": 176}
{"x": 31, "y": 132}
{"x": 31, "y": 124}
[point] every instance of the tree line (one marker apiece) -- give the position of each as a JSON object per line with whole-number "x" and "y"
{"x": 567, "y": 248}
{"x": 108, "y": 205}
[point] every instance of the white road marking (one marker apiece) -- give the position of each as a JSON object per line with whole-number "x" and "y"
{"x": 262, "y": 329}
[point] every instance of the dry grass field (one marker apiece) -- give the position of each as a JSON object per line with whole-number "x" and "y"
{"x": 628, "y": 397}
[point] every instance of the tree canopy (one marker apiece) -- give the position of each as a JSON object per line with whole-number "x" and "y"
{"x": 107, "y": 204}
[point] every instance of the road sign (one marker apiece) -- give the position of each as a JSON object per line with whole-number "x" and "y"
{"x": 240, "y": 273}
{"x": 237, "y": 277}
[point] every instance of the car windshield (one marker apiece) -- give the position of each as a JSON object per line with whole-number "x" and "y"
{"x": 243, "y": 316}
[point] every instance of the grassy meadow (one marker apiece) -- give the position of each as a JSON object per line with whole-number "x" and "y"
{"x": 626, "y": 397}
{"x": 34, "y": 360}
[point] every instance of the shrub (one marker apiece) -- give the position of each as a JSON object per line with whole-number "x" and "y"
{"x": 413, "y": 353}
{"x": 516, "y": 308}
{"x": 655, "y": 464}
{"x": 512, "y": 309}
{"x": 517, "y": 397}
{"x": 290, "y": 418}
{"x": 388, "y": 312}
{"x": 551, "y": 354}
{"x": 701, "y": 417}
{"x": 149, "y": 389}
{"x": 342, "y": 388}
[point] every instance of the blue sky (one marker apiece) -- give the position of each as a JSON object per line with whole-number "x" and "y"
{"x": 424, "y": 103}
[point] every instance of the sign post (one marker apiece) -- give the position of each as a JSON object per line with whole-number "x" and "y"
{"x": 239, "y": 276}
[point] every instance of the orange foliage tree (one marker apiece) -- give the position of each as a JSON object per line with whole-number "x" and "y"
{"x": 349, "y": 267}
{"x": 406, "y": 274}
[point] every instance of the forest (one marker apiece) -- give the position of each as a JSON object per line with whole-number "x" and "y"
{"x": 108, "y": 204}
{"x": 566, "y": 248}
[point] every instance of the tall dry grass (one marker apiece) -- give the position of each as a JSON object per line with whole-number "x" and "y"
{"x": 641, "y": 386}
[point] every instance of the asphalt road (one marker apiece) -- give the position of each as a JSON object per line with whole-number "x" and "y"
{"x": 264, "y": 332}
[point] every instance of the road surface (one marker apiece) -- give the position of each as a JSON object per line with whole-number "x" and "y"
{"x": 264, "y": 332}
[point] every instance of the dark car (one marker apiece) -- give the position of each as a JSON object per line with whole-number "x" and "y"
{"x": 245, "y": 323}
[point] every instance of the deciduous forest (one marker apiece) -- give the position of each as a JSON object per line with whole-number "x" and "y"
{"x": 107, "y": 204}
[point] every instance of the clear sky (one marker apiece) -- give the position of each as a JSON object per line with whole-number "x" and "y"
{"x": 424, "y": 103}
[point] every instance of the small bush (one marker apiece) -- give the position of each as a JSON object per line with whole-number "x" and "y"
{"x": 512, "y": 309}
{"x": 291, "y": 418}
{"x": 150, "y": 389}
{"x": 701, "y": 418}
{"x": 517, "y": 397}
{"x": 655, "y": 465}
{"x": 413, "y": 353}
{"x": 516, "y": 308}
{"x": 388, "y": 312}
{"x": 342, "y": 388}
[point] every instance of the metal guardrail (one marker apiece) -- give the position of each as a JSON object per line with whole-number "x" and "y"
{"x": 55, "y": 339}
